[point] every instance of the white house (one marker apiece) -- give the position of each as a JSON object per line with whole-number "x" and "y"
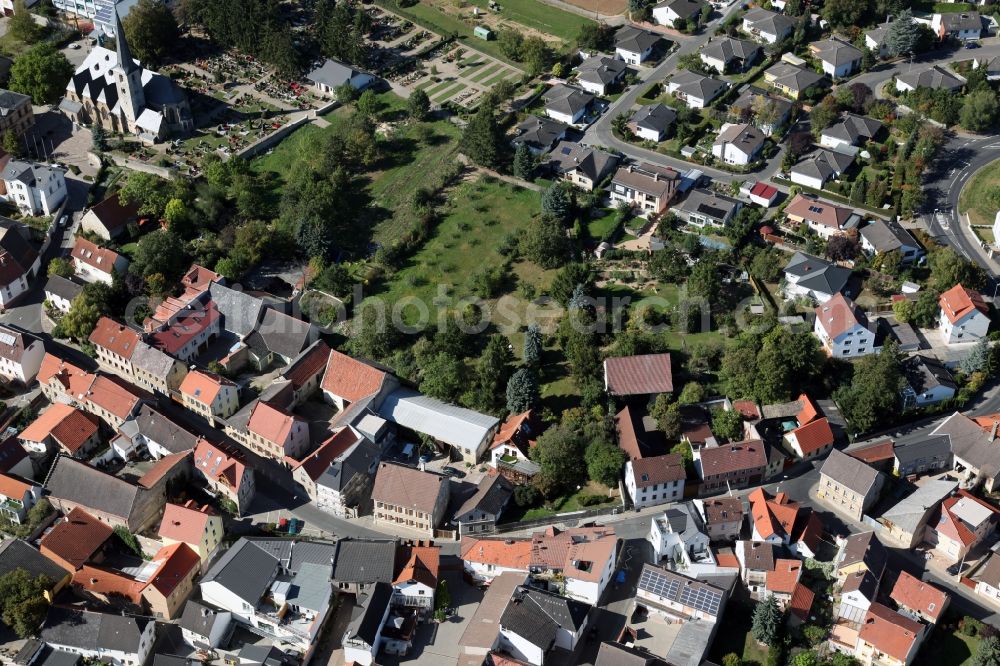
{"x": 729, "y": 54}
{"x": 655, "y": 480}
{"x": 362, "y": 639}
{"x": 96, "y": 264}
{"x": 202, "y": 625}
{"x": 767, "y": 26}
{"x": 678, "y": 598}
{"x": 881, "y": 236}
{"x": 60, "y": 292}
{"x": 928, "y": 382}
{"x": 843, "y": 329}
{"x": 567, "y": 104}
{"x": 677, "y": 535}
{"x": 810, "y": 277}
{"x": 651, "y": 122}
{"x": 36, "y": 189}
{"x": 963, "y": 26}
{"x": 332, "y": 74}
{"x": 819, "y": 167}
{"x": 987, "y": 579}
{"x": 634, "y": 45}
{"x": 21, "y": 355}
{"x": 839, "y": 59}
{"x": 738, "y": 144}
{"x": 113, "y": 638}
{"x": 850, "y": 132}
{"x": 695, "y": 90}
{"x": 668, "y": 11}
{"x": 600, "y": 72}
{"x": 20, "y": 259}
{"x": 535, "y": 622}
{"x": 964, "y": 315}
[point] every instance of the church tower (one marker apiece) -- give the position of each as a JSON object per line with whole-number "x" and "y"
{"x": 128, "y": 78}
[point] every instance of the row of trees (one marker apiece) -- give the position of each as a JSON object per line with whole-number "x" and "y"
{"x": 256, "y": 27}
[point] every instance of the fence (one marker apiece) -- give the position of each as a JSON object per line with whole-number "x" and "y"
{"x": 573, "y": 516}
{"x": 136, "y": 165}
{"x": 273, "y": 138}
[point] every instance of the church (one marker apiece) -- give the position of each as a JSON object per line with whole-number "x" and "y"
{"x": 113, "y": 90}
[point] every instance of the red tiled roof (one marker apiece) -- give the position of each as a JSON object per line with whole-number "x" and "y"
{"x": 350, "y": 378}
{"x": 638, "y": 375}
{"x": 954, "y": 527}
{"x": 807, "y": 411}
{"x": 748, "y": 408}
{"x": 114, "y": 395}
{"x": 69, "y": 426}
{"x": 108, "y": 583}
{"x": 96, "y": 257}
{"x": 627, "y": 439}
{"x": 113, "y": 214}
{"x": 308, "y": 365}
{"x": 875, "y": 453}
{"x": 913, "y": 593}
{"x": 116, "y": 338}
{"x": 726, "y": 558}
{"x": 203, "y": 386}
{"x": 74, "y": 540}
{"x": 747, "y": 455}
{"x": 513, "y": 555}
{"x": 658, "y": 469}
{"x": 218, "y": 464}
{"x": 271, "y": 423}
{"x": 814, "y": 435}
{"x": 818, "y": 211}
{"x": 184, "y": 328}
{"x": 802, "y": 601}
{"x": 198, "y": 278}
{"x": 161, "y": 468}
{"x": 184, "y": 523}
{"x": 889, "y": 632}
{"x": 176, "y": 563}
{"x": 72, "y": 379}
{"x": 839, "y": 315}
{"x": 419, "y": 563}
{"x": 784, "y": 577}
{"x": 319, "y": 460}
{"x": 958, "y": 302}
{"x": 519, "y": 430}
{"x": 13, "y": 488}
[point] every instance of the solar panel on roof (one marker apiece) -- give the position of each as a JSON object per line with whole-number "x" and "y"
{"x": 566, "y": 150}
{"x": 7, "y": 338}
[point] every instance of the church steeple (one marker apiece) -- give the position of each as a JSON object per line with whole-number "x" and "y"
{"x": 125, "y": 60}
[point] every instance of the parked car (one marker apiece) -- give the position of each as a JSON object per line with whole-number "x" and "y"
{"x": 451, "y": 471}
{"x": 426, "y": 458}
{"x": 972, "y": 45}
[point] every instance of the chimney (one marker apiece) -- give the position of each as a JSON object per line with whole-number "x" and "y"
{"x": 993, "y": 433}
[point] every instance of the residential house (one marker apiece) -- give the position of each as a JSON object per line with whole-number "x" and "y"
{"x": 822, "y": 217}
{"x": 767, "y": 26}
{"x": 935, "y": 77}
{"x": 677, "y": 597}
{"x": 16, "y": 112}
{"x": 75, "y": 540}
{"x": 887, "y": 637}
{"x": 820, "y": 167}
{"x": 568, "y": 104}
{"x": 509, "y": 453}
{"x": 362, "y": 640}
{"x": 21, "y": 355}
{"x": 759, "y": 192}
{"x": 270, "y": 431}
{"x": 209, "y": 394}
{"x": 668, "y": 11}
{"x": 767, "y": 112}
{"x": 738, "y": 144}
{"x": 481, "y": 512}
{"x": 110, "y": 218}
{"x": 962, "y": 26}
{"x": 839, "y": 59}
{"x": 358, "y": 564}
{"x": 965, "y": 521}
{"x": 875, "y": 40}
{"x": 635, "y": 45}
{"x": 198, "y": 527}
{"x": 721, "y": 516}
{"x": 726, "y": 54}
{"x": 646, "y": 187}
{"x": 880, "y": 455}
{"x": 286, "y": 605}
{"x": 676, "y": 535}
{"x": 706, "y": 208}
{"x": 409, "y": 497}
{"x": 987, "y": 579}
{"x": 844, "y": 330}
{"x": 122, "y": 351}
{"x": 73, "y": 484}
{"x": 583, "y": 166}
{"x": 96, "y": 264}
{"x": 655, "y": 480}
{"x": 416, "y": 577}
{"x": 479, "y": 639}
{"x": 861, "y": 552}
{"x": 919, "y": 600}
{"x": 652, "y": 122}
{"x": 600, "y": 73}
{"x": 973, "y": 445}
{"x": 19, "y": 554}
{"x": 811, "y": 277}
{"x": 347, "y": 381}
{"x": 119, "y": 640}
{"x": 16, "y": 498}
{"x": 539, "y": 133}
{"x": 782, "y": 582}
{"x": 784, "y": 522}
{"x": 64, "y": 428}
{"x": 467, "y": 432}
{"x": 333, "y": 74}
{"x": 907, "y": 520}
{"x": 190, "y": 331}
{"x": 226, "y": 473}
{"x": 756, "y": 560}
{"x": 928, "y": 382}
{"x": 112, "y": 399}
{"x": 19, "y": 261}
{"x": 155, "y": 433}
{"x": 881, "y": 236}
{"x": 849, "y": 133}
{"x": 730, "y": 466}
{"x": 338, "y": 475}
{"x": 790, "y": 79}
{"x": 848, "y": 485}
{"x": 644, "y": 374}
{"x": 964, "y": 315}
{"x": 536, "y": 622}
{"x": 697, "y": 91}
{"x": 14, "y": 459}
{"x": 205, "y": 627}
{"x": 279, "y": 338}
{"x": 812, "y": 435}
{"x": 36, "y": 189}
{"x": 60, "y": 292}
{"x": 857, "y": 594}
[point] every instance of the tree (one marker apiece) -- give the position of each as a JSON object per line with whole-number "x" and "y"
{"x": 524, "y": 162}
{"x": 61, "y": 267}
{"x": 903, "y": 311}
{"x": 668, "y": 416}
{"x": 522, "y": 391}
{"x": 979, "y": 110}
{"x": 535, "y": 55}
{"x": 442, "y": 598}
{"x": 545, "y": 243}
{"x": 766, "y": 622}
{"x": 704, "y": 281}
{"x": 532, "y": 345}
{"x": 692, "y": 393}
{"x": 419, "y": 105}
{"x": 949, "y": 268}
{"x": 824, "y": 114}
{"x": 482, "y": 140}
{"x": 98, "y": 138}
{"x": 728, "y": 423}
{"x": 11, "y": 144}
{"x": 372, "y": 337}
{"x": 557, "y": 201}
{"x": 846, "y": 13}
{"x": 988, "y": 652}
{"x": 620, "y": 125}
{"x": 161, "y": 251}
{"x": 872, "y": 396}
{"x": 128, "y": 539}
{"x": 493, "y": 371}
{"x": 569, "y": 279}
{"x": 604, "y": 462}
{"x": 84, "y": 311}
{"x": 732, "y": 659}
{"x": 22, "y": 600}
{"x": 595, "y": 36}
{"x": 22, "y": 26}
{"x": 443, "y": 377}
{"x": 903, "y": 35}
{"x": 859, "y": 188}
{"x": 41, "y": 73}
{"x": 146, "y": 190}
{"x": 151, "y": 30}
{"x": 368, "y": 104}
{"x": 978, "y": 357}
{"x": 841, "y": 248}
{"x": 559, "y": 453}
{"x": 806, "y": 658}
{"x": 510, "y": 43}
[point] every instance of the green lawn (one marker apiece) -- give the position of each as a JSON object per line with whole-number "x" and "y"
{"x": 948, "y": 649}
{"x": 542, "y": 17}
{"x": 559, "y": 505}
{"x": 449, "y": 93}
{"x": 482, "y": 74}
{"x": 444, "y": 24}
{"x": 601, "y": 227}
{"x": 980, "y": 193}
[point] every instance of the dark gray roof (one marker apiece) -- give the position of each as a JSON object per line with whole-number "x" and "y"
{"x": 849, "y": 472}
{"x": 887, "y": 236}
{"x": 240, "y": 311}
{"x": 332, "y": 73}
{"x": 727, "y": 49}
{"x": 245, "y": 570}
{"x": 78, "y": 482}
{"x": 923, "y": 374}
{"x": 924, "y": 446}
{"x": 264, "y": 655}
{"x": 567, "y": 99}
{"x": 971, "y": 443}
{"x": 823, "y": 164}
{"x": 537, "y": 616}
{"x": 657, "y": 117}
{"x": 793, "y": 77}
{"x": 817, "y": 274}
{"x": 601, "y": 69}
{"x": 770, "y": 22}
{"x": 367, "y": 619}
{"x": 932, "y": 77}
{"x": 89, "y": 631}
{"x": 310, "y": 587}
{"x": 635, "y": 40}
{"x": 49, "y": 657}
{"x": 281, "y": 334}
{"x": 490, "y": 497}
{"x": 159, "y": 428}
{"x": 961, "y": 21}
{"x": 697, "y": 85}
{"x": 63, "y": 287}
{"x": 612, "y": 653}
{"x": 11, "y": 101}
{"x": 199, "y": 618}
{"x": 293, "y": 554}
{"x": 864, "y": 547}
{"x": 745, "y": 138}
{"x": 359, "y": 459}
{"x": 684, "y": 8}
{"x": 853, "y": 127}
{"x": 591, "y": 162}
{"x": 18, "y": 554}
{"x": 364, "y": 561}
{"x": 759, "y": 555}
{"x": 708, "y": 203}
{"x": 836, "y": 51}
{"x": 539, "y": 132}
{"x": 863, "y": 581}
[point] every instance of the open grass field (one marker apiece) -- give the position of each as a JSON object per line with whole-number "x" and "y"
{"x": 540, "y": 16}
{"x": 981, "y": 195}
{"x": 948, "y": 649}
